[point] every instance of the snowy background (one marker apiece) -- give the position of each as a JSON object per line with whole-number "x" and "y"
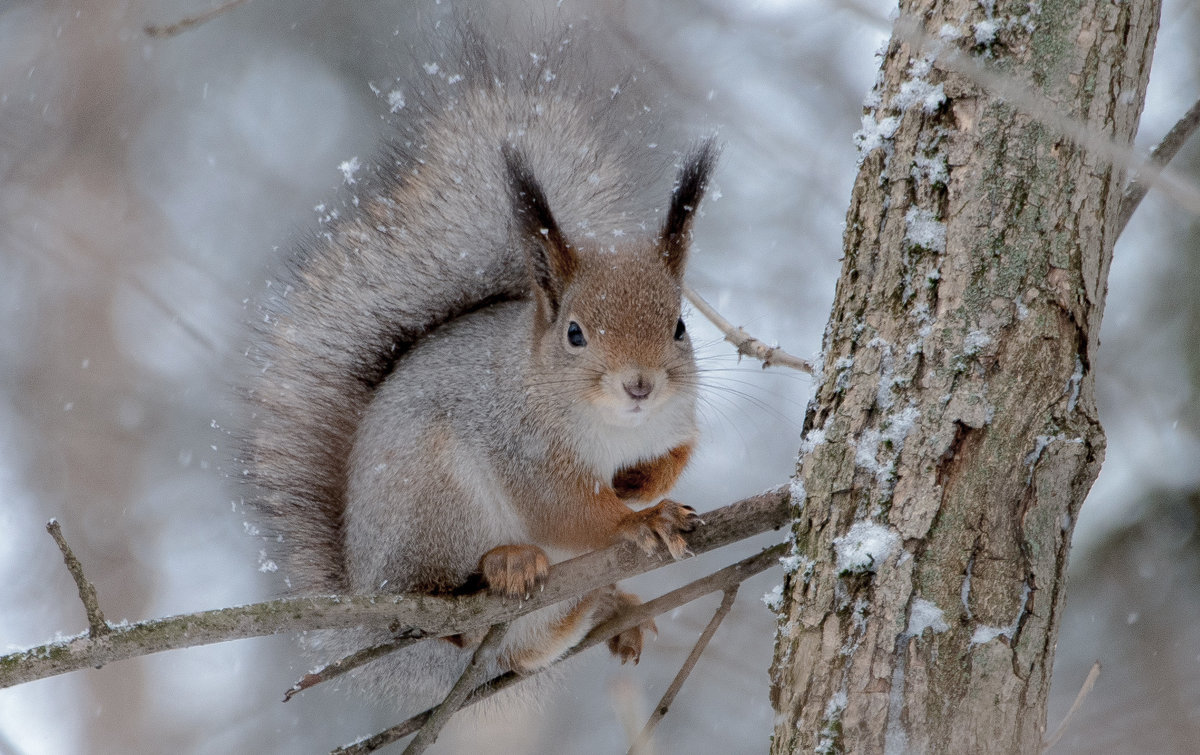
{"x": 144, "y": 183}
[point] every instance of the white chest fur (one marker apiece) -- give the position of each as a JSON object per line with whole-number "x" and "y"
{"x": 607, "y": 447}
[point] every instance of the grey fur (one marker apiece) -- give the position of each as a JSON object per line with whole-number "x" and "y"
{"x": 402, "y": 401}
{"x": 430, "y": 241}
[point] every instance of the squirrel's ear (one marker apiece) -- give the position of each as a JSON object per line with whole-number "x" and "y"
{"x": 689, "y": 190}
{"x": 552, "y": 261}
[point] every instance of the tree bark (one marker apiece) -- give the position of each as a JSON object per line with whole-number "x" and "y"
{"x": 954, "y": 434}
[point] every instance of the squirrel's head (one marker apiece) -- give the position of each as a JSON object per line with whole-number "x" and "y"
{"x": 608, "y": 330}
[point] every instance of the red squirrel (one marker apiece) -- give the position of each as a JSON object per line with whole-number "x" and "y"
{"x": 478, "y": 367}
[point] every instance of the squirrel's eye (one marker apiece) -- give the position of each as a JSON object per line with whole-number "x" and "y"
{"x": 575, "y": 335}
{"x": 680, "y": 329}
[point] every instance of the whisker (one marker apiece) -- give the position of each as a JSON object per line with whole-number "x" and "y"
{"x": 705, "y": 407}
{"x": 725, "y": 381}
{"x": 710, "y": 392}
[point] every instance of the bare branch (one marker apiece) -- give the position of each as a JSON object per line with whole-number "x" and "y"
{"x": 408, "y": 726}
{"x": 724, "y": 579}
{"x": 188, "y": 22}
{"x": 97, "y": 626}
{"x": 174, "y": 314}
{"x": 408, "y": 617}
{"x": 470, "y": 679}
{"x": 1088, "y": 683}
{"x": 746, "y": 344}
{"x": 342, "y": 665}
{"x": 664, "y": 704}
{"x": 771, "y": 507}
{"x": 1166, "y": 150}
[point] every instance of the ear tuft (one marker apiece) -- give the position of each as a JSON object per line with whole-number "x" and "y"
{"x": 552, "y": 261}
{"x": 689, "y": 190}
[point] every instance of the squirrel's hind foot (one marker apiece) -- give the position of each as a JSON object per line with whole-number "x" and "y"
{"x": 627, "y": 646}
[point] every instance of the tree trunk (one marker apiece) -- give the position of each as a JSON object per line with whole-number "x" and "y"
{"x": 954, "y": 433}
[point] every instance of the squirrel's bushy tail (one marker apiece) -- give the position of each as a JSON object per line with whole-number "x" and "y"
{"x": 423, "y": 240}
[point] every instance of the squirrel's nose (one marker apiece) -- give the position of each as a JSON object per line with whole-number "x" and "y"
{"x": 639, "y": 388}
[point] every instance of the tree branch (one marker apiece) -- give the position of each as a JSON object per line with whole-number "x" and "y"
{"x": 97, "y": 626}
{"x": 1166, "y": 150}
{"x": 408, "y": 617}
{"x": 664, "y": 704}
{"x": 724, "y": 520}
{"x": 342, "y": 665}
{"x": 746, "y": 344}
{"x": 188, "y": 22}
{"x": 472, "y": 675}
{"x": 1088, "y": 683}
{"x": 724, "y": 579}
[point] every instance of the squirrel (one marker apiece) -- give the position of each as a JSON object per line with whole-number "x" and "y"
{"x": 477, "y": 369}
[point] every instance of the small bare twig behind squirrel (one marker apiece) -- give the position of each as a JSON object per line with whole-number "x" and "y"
{"x": 477, "y": 367}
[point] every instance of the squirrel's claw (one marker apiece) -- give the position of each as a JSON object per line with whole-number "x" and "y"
{"x": 627, "y": 646}
{"x": 661, "y": 525}
{"x": 514, "y": 570}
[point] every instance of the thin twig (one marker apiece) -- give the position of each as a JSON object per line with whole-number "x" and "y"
{"x": 402, "y": 729}
{"x": 342, "y": 665}
{"x": 173, "y": 314}
{"x": 474, "y": 673}
{"x": 746, "y": 344}
{"x": 97, "y": 626}
{"x": 724, "y": 579}
{"x": 188, "y": 22}
{"x": 1166, "y": 150}
{"x": 408, "y": 617}
{"x": 1088, "y": 683}
{"x": 668, "y": 697}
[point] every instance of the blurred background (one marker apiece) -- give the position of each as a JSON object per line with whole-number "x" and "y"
{"x": 145, "y": 182}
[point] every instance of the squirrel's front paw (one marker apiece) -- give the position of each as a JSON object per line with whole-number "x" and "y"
{"x": 514, "y": 570}
{"x": 659, "y": 525}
